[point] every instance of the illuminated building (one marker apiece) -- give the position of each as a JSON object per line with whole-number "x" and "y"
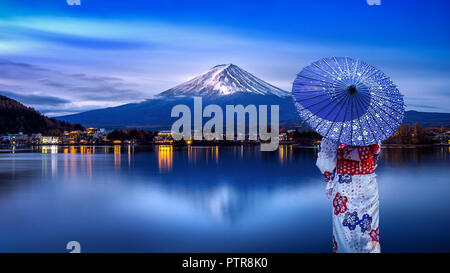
{"x": 163, "y": 137}
{"x": 49, "y": 140}
{"x": 283, "y": 137}
{"x": 16, "y": 138}
{"x": 90, "y": 136}
{"x": 92, "y": 132}
{"x": 72, "y": 137}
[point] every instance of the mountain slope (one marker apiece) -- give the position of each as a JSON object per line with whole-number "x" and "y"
{"x": 224, "y": 79}
{"x": 15, "y": 117}
{"x": 427, "y": 119}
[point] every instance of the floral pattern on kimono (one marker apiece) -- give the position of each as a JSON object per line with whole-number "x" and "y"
{"x": 351, "y": 220}
{"x": 334, "y": 245}
{"x": 339, "y": 204}
{"x": 365, "y": 223}
{"x": 374, "y": 235}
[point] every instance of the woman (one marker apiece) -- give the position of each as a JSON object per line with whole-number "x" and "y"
{"x": 349, "y": 171}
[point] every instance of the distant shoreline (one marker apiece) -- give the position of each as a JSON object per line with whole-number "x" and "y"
{"x": 27, "y": 148}
{"x": 411, "y": 146}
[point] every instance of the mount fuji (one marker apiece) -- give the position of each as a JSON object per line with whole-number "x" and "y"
{"x": 224, "y": 79}
{"x": 225, "y": 84}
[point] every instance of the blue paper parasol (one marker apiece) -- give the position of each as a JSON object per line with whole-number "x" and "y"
{"x": 348, "y": 101}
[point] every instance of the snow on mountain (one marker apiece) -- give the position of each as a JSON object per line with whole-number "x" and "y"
{"x": 224, "y": 79}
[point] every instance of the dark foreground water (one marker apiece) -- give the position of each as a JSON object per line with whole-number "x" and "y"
{"x": 207, "y": 199}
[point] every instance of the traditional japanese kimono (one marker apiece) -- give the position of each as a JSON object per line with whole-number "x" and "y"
{"x": 349, "y": 171}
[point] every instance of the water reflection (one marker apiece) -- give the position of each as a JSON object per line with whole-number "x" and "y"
{"x": 53, "y": 162}
{"x": 165, "y": 158}
{"x": 208, "y": 198}
{"x": 66, "y": 159}
{"x": 51, "y": 149}
{"x": 285, "y": 153}
{"x": 117, "y": 157}
{"x": 398, "y": 157}
{"x": 72, "y": 156}
{"x": 130, "y": 152}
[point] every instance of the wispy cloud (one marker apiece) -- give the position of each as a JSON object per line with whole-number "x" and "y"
{"x": 44, "y": 88}
{"x": 69, "y": 40}
{"x": 35, "y": 99}
{"x": 423, "y": 106}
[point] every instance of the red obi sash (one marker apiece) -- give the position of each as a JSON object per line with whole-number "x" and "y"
{"x": 355, "y": 162}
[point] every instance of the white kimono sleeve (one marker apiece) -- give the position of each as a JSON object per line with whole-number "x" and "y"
{"x": 326, "y": 162}
{"x": 327, "y": 156}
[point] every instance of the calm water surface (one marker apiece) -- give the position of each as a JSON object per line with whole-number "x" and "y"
{"x": 207, "y": 199}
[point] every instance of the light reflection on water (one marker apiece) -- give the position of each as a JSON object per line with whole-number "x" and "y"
{"x": 165, "y": 158}
{"x": 199, "y": 199}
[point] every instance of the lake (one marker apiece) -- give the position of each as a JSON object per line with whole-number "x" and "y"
{"x": 208, "y": 199}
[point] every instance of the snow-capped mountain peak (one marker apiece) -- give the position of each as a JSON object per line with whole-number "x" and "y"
{"x": 224, "y": 79}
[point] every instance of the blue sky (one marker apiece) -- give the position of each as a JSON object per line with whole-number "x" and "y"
{"x": 63, "y": 59}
